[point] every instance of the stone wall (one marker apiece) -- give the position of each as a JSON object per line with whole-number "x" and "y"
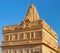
{"x": 49, "y": 40}
{"x": 59, "y": 49}
{"x": 46, "y": 49}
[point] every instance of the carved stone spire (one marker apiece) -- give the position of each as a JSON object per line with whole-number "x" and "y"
{"x": 32, "y": 14}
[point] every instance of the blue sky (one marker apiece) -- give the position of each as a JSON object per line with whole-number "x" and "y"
{"x": 13, "y": 12}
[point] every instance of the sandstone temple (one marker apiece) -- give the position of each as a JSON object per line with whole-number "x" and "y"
{"x": 32, "y": 35}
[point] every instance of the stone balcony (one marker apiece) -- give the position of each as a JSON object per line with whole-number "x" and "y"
{"x": 30, "y": 26}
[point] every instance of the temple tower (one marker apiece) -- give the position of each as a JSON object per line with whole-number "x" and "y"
{"x": 33, "y": 35}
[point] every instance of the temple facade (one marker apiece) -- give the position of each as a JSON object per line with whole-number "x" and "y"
{"x": 32, "y": 35}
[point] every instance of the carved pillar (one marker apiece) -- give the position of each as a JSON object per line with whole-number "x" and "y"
{"x": 9, "y": 38}
{"x": 17, "y": 51}
{"x": 34, "y": 35}
{"x": 29, "y": 50}
{"x": 23, "y": 51}
{"x": 9, "y": 51}
{"x": 18, "y": 36}
{"x": 24, "y": 36}
{"x": 30, "y": 35}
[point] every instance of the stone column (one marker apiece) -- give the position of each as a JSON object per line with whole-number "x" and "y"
{"x": 17, "y": 50}
{"x": 9, "y": 38}
{"x": 24, "y": 36}
{"x": 18, "y": 36}
{"x": 30, "y": 35}
{"x": 34, "y": 35}
{"x": 23, "y": 51}
{"x": 29, "y": 50}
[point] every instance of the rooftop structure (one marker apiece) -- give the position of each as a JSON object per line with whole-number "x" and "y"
{"x": 32, "y": 35}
